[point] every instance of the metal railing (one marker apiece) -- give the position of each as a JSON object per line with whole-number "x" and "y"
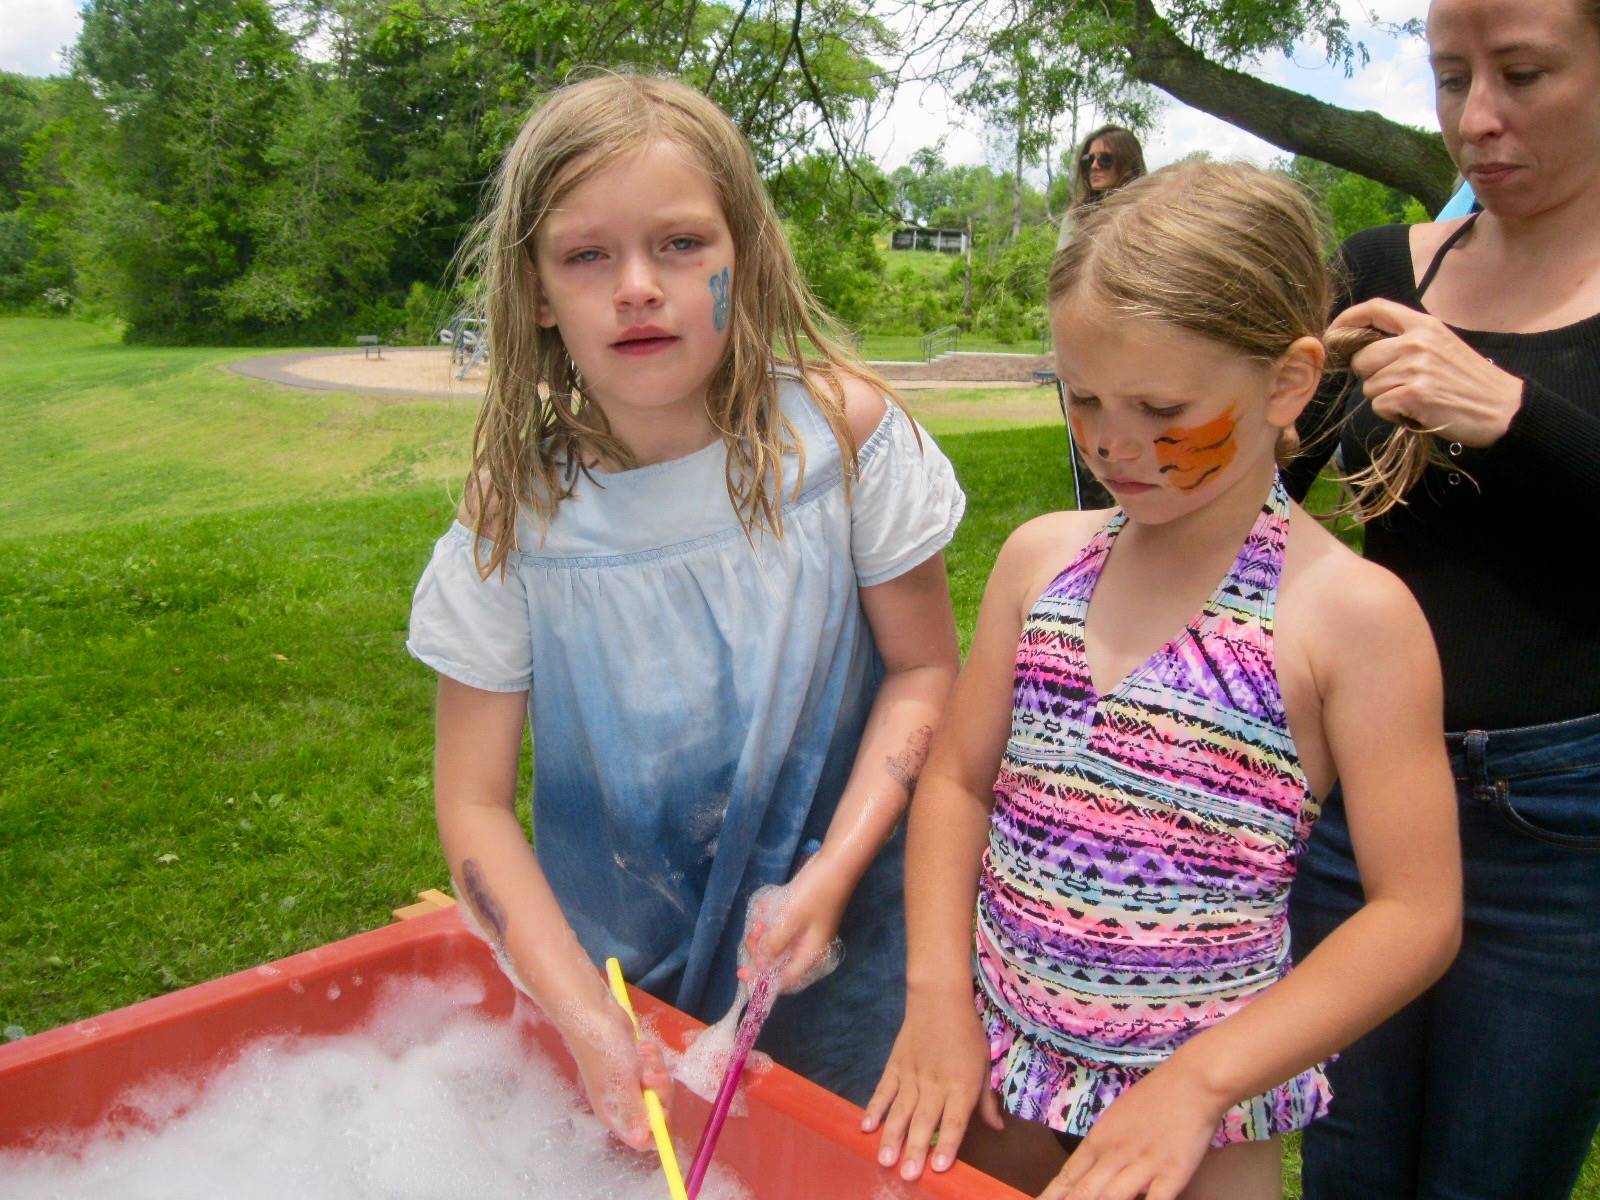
{"x": 945, "y": 338}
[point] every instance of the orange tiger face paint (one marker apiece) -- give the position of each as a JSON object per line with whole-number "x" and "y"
{"x": 1190, "y": 457}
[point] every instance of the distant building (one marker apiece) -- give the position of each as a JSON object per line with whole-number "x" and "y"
{"x": 915, "y": 237}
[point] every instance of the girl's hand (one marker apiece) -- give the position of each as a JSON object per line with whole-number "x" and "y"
{"x": 1425, "y": 376}
{"x": 796, "y": 924}
{"x": 937, "y": 1072}
{"x": 1148, "y": 1143}
{"x": 614, "y": 1065}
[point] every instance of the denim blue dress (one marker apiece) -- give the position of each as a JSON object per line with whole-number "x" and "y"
{"x": 697, "y": 698}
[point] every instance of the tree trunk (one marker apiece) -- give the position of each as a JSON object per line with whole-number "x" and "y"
{"x": 966, "y": 278}
{"x": 1049, "y": 172}
{"x": 1016, "y": 189}
{"x": 1364, "y": 142}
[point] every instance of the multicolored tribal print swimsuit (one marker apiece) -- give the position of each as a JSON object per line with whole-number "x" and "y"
{"x": 1135, "y": 889}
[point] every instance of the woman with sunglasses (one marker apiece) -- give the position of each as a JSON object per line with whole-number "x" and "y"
{"x": 1108, "y": 158}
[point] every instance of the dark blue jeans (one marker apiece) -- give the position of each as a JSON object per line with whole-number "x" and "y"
{"x": 1487, "y": 1087}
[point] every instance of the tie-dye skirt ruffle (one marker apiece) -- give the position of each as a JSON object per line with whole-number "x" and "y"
{"x": 1037, "y": 1082}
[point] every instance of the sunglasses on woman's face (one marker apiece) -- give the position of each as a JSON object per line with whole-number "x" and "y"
{"x": 1104, "y": 161}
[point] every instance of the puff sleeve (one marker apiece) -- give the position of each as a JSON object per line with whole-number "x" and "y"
{"x": 906, "y": 504}
{"x": 476, "y": 631}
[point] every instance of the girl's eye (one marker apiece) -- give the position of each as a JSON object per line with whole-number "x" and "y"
{"x": 683, "y": 243}
{"x": 1451, "y": 83}
{"x": 1079, "y": 400}
{"x": 1523, "y": 78}
{"x": 584, "y": 256}
{"x": 1165, "y": 414}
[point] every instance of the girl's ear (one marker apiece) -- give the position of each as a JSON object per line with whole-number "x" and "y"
{"x": 1295, "y": 380}
{"x": 542, "y": 313}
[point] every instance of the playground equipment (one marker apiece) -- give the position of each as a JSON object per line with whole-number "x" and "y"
{"x": 468, "y": 339}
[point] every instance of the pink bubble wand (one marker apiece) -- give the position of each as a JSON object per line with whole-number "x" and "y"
{"x": 762, "y": 995}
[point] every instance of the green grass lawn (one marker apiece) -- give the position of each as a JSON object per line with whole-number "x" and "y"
{"x": 214, "y": 749}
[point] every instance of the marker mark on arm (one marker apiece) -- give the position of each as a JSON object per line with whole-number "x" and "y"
{"x": 483, "y": 901}
{"x": 906, "y": 767}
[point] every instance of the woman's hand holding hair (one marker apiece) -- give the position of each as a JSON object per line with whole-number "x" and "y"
{"x": 1427, "y": 377}
{"x": 1147, "y": 1143}
{"x": 937, "y": 1073}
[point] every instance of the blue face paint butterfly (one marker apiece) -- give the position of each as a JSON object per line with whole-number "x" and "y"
{"x": 719, "y": 300}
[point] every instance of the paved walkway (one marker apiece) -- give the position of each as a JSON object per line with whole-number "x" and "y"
{"x": 428, "y": 371}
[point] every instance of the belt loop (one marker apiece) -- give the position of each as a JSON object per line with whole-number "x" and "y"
{"x": 1476, "y": 745}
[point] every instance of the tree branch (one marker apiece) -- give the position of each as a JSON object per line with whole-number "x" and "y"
{"x": 1409, "y": 159}
{"x": 845, "y": 158}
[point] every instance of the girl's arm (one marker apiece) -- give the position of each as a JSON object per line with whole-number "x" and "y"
{"x": 915, "y": 632}
{"x": 1378, "y": 675}
{"x": 478, "y": 739}
{"x": 914, "y": 628}
{"x": 938, "y": 1069}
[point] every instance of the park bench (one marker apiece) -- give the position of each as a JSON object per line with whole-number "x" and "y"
{"x": 371, "y": 345}
{"x": 1044, "y": 376}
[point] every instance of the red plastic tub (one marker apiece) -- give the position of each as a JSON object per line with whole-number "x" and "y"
{"x": 798, "y": 1142}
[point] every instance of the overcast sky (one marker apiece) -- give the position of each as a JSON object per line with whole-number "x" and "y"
{"x": 1395, "y": 83}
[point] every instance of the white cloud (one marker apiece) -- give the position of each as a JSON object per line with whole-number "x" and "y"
{"x": 1400, "y": 87}
{"x": 33, "y": 33}
{"x": 920, "y": 116}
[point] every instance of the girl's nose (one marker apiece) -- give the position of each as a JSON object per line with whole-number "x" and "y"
{"x": 1112, "y": 445}
{"x": 637, "y": 284}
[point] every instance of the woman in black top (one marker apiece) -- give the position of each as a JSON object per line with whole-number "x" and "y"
{"x": 1489, "y": 1086}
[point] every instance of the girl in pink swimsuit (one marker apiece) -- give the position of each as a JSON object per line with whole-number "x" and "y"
{"x": 1101, "y": 847}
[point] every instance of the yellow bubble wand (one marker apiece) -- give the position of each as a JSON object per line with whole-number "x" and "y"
{"x": 652, "y": 1102}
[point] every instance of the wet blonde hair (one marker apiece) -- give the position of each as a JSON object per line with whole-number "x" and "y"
{"x": 535, "y": 432}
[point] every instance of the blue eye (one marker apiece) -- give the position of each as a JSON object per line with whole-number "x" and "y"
{"x": 684, "y": 243}
{"x": 584, "y": 256}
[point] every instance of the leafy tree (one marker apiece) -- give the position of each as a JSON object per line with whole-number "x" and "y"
{"x": 835, "y": 228}
{"x": 20, "y": 116}
{"x": 321, "y": 229}
{"x": 189, "y": 90}
{"x": 1353, "y": 202}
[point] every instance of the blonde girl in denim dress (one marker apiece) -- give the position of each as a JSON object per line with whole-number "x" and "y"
{"x": 709, "y": 574}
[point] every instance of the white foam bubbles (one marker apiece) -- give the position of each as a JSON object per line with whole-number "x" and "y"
{"x": 428, "y": 1100}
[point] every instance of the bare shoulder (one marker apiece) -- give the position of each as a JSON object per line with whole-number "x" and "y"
{"x": 479, "y": 504}
{"x": 864, "y": 402}
{"x": 1038, "y": 550}
{"x": 1339, "y": 601}
{"x": 1426, "y": 238}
